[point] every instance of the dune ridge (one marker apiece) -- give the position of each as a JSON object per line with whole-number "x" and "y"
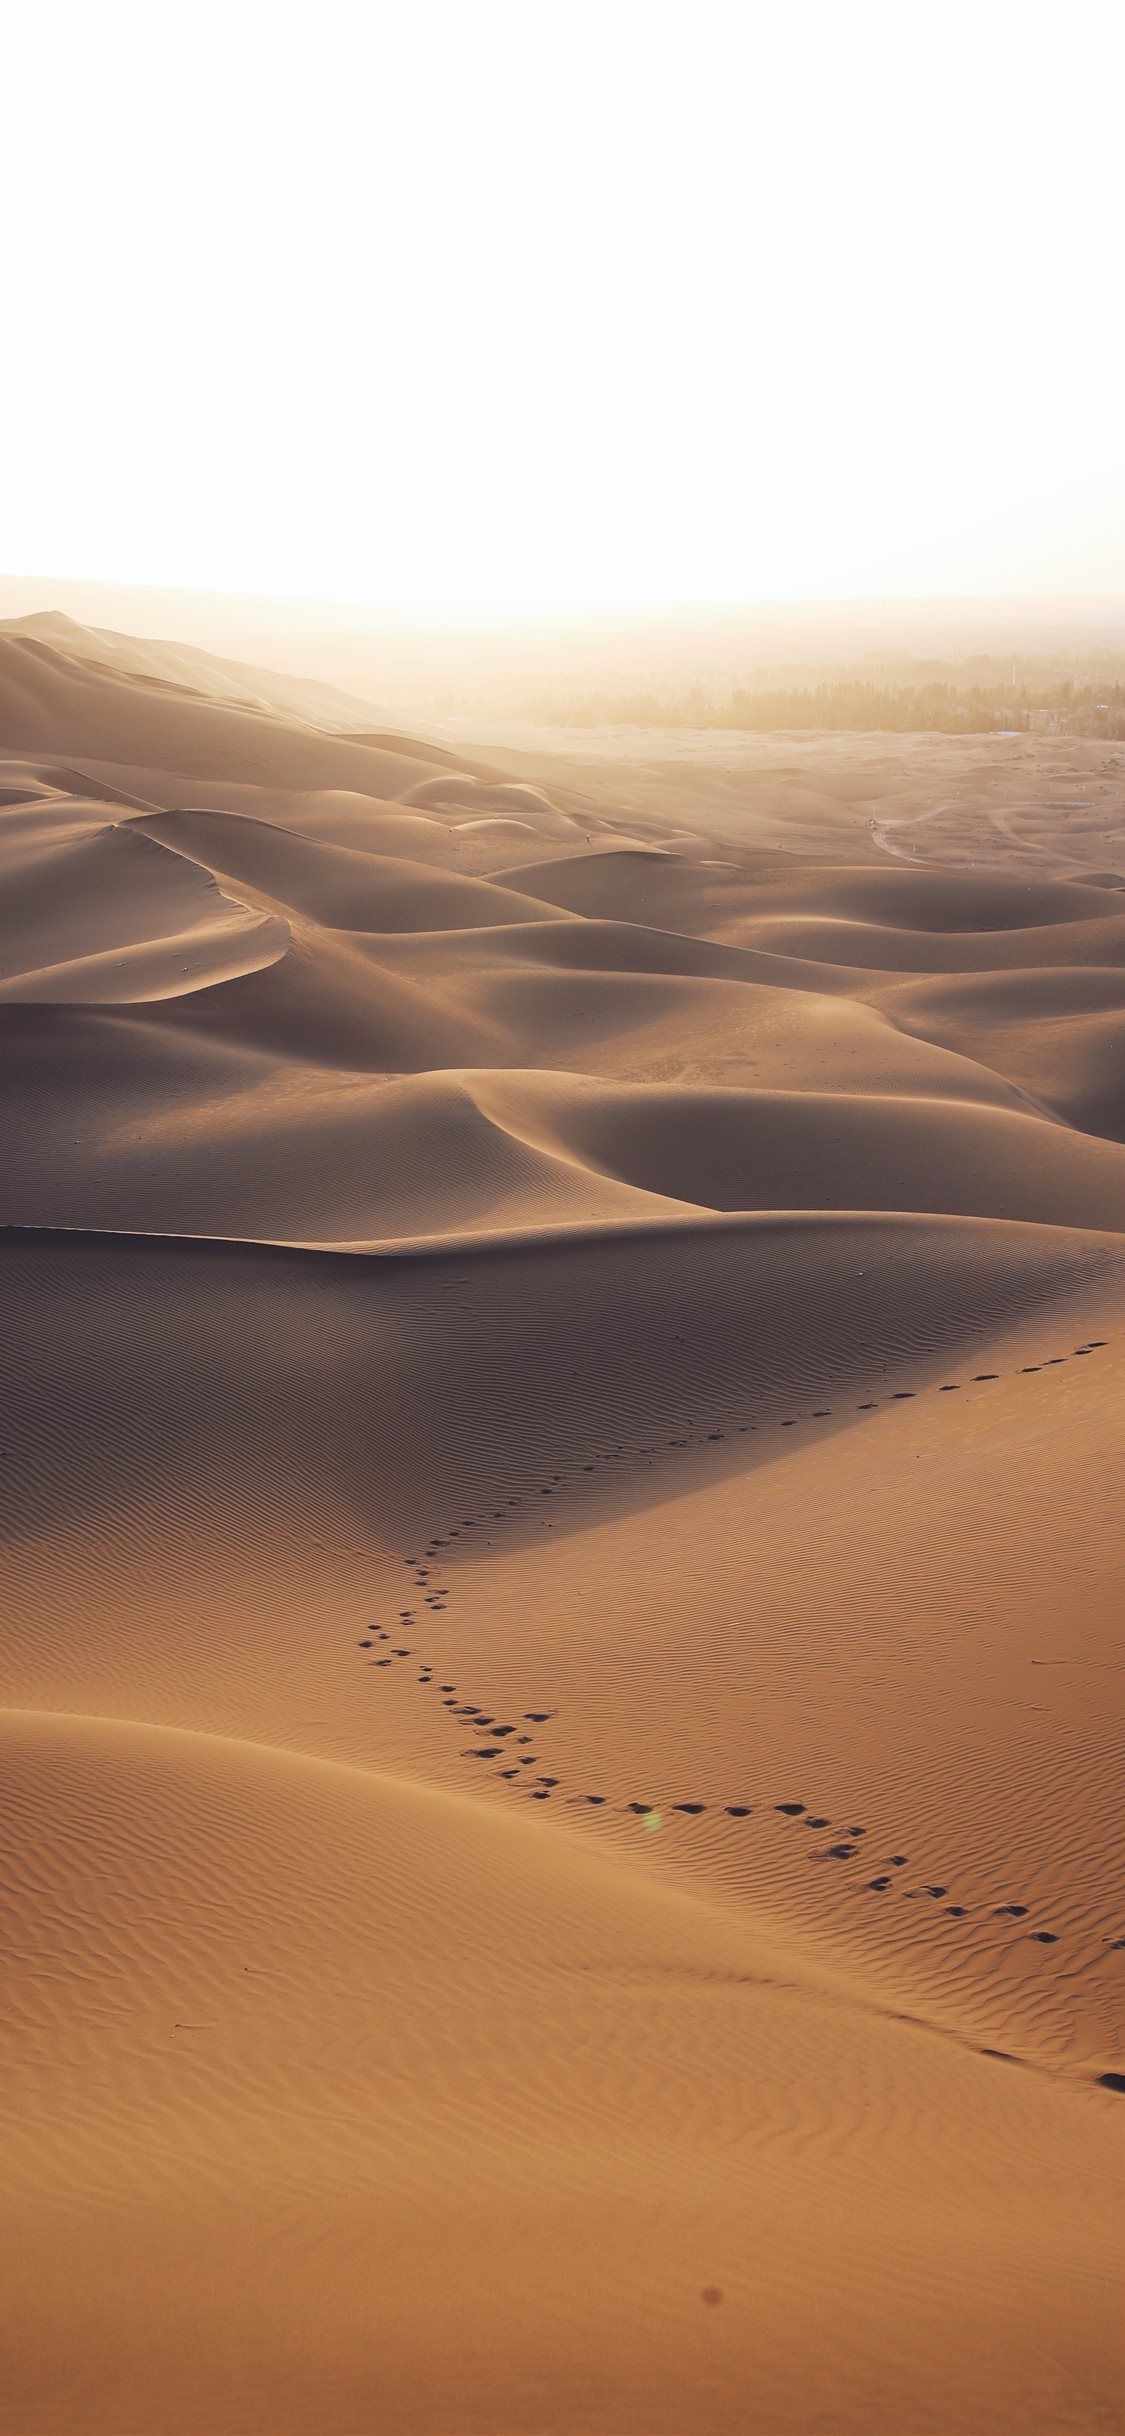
{"x": 564, "y": 1342}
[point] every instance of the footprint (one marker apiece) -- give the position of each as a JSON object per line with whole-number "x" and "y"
{"x": 1010, "y": 1911}
{"x": 1043, "y": 1937}
{"x": 1112, "y": 2080}
{"x": 844, "y": 1850}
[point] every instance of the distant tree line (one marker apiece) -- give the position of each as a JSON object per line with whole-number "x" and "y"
{"x": 974, "y": 698}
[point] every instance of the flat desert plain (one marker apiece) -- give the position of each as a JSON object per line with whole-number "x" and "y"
{"x": 563, "y": 1341}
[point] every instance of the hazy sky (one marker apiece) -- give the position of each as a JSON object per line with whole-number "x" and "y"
{"x": 564, "y": 305}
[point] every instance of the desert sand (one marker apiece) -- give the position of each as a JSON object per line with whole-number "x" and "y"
{"x": 564, "y": 1345}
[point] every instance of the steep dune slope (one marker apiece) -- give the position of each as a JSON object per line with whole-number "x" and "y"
{"x": 106, "y": 913}
{"x": 342, "y": 889}
{"x": 185, "y": 664}
{"x": 1059, "y": 1034}
{"x": 804, "y": 1150}
{"x": 52, "y": 704}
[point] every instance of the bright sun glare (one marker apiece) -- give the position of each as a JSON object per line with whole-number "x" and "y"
{"x": 489, "y": 307}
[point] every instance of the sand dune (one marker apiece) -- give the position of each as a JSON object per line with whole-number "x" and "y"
{"x": 184, "y": 664}
{"x": 1058, "y": 1034}
{"x": 353, "y": 2164}
{"x": 107, "y": 913}
{"x": 334, "y": 885}
{"x": 804, "y": 1150}
{"x": 56, "y": 705}
{"x": 564, "y": 1336}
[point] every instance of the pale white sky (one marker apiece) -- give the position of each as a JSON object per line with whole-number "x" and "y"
{"x": 486, "y": 306}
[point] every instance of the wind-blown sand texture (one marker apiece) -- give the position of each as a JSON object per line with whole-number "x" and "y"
{"x": 561, "y": 1455}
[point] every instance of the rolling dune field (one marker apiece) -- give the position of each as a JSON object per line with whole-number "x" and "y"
{"x": 563, "y": 1679}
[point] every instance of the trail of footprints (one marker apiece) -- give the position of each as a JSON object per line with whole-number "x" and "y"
{"x": 514, "y": 1744}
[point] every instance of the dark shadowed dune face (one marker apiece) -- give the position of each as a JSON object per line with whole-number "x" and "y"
{"x": 564, "y": 1351}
